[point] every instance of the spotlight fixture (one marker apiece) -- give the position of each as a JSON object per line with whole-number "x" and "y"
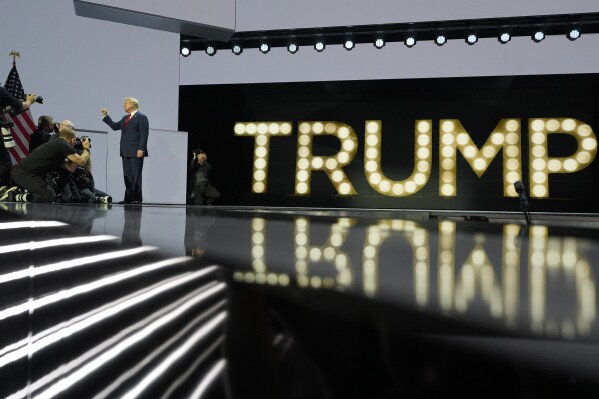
{"x": 292, "y": 48}
{"x": 538, "y": 36}
{"x": 504, "y": 37}
{"x": 319, "y": 45}
{"x": 379, "y": 42}
{"x": 185, "y": 51}
{"x": 471, "y": 39}
{"x": 237, "y": 49}
{"x": 440, "y": 40}
{"x": 410, "y": 41}
{"x": 210, "y": 50}
{"x": 349, "y": 44}
{"x": 573, "y": 34}
{"x": 264, "y": 48}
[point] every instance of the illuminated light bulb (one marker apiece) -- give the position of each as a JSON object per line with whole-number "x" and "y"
{"x": 372, "y": 153}
{"x": 538, "y": 151}
{"x": 337, "y": 176}
{"x": 539, "y": 177}
{"x": 398, "y": 189}
{"x": 480, "y": 164}
{"x": 463, "y": 139}
{"x": 250, "y": 128}
{"x": 371, "y": 166}
{"x": 317, "y": 162}
{"x": 343, "y": 132}
{"x": 469, "y": 151}
{"x": 423, "y": 140}
{"x": 554, "y": 165}
{"x": 589, "y": 144}
{"x": 385, "y": 186}
{"x": 447, "y": 152}
{"x": 301, "y": 188}
{"x": 375, "y": 178}
{"x": 261, "y": 152}
{"x": 512, "y": 164}
{"x": 539, "y": 164}
{"x": 343, "y": 157}
{"x": 302, "y": 176}
{"x": 410, "y": 187}
{"x": 344, "y": 188}
{"x": 239, "y": 128}
{"x": 447, "y": 126}
{"x": 261, "y": 140}
{"x": 447, "y": 190}
{"x": 539, "y": 191}
{"x": 448, "y": 138}
{"x": 512, "y": 151}
{"x": 260, "y": 163}
{"x": 512, "y": 177}
{"x": 420, "y": 179}
{"x": 259, "y": 175}
{"x": 258, "y": 187}
{"x": 570, "y": 165}
{"x": 303, "y": 163}
{"x": 331, "y": 163}
{"x": 568, "y": 125}
{"x": 448, "y": 164}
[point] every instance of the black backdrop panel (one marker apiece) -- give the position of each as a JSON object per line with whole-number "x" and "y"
{"x": 209, "y": 114}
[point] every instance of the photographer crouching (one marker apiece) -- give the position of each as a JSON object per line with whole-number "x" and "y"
{"x": 30, "y": 173}
{"x": 202, "y": 190}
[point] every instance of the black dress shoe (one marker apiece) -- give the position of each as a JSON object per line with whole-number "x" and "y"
{"x": 124, "y": 202}
{"x": 136, "y": 202}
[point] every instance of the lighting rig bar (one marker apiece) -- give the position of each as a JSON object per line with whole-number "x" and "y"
{"x": 557, "y": 24}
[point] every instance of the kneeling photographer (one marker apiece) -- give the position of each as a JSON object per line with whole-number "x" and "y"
{"x": 83, "y": 180}
{"x": 30, "y": 173}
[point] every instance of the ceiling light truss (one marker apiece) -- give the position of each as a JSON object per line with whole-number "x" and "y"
{"x": 561, "y": 24}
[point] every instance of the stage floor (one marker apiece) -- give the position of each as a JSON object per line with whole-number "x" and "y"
{"x": 179, "y": 301}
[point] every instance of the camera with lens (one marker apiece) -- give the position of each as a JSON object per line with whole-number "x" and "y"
{"x": 79, "y": 142}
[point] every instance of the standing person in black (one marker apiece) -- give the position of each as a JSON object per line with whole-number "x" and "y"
{"x": 30, "y": 173}
{"x": 202, "y": 191}
{"x": 45, "y": 130}
{"x": 134, "y": 147}
{"x": 8, "y": 100}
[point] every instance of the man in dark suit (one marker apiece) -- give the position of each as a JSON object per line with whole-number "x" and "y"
{"x": 45, "y": 130}
{"x": 134, "y": 147}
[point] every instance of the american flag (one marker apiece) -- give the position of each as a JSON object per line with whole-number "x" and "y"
{"x": 23, "y": 122}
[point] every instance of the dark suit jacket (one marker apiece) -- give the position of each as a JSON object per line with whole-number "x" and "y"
{"x": 135, "y": 136}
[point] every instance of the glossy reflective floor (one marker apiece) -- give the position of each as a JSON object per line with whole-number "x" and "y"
{"x": 191, "y": 302}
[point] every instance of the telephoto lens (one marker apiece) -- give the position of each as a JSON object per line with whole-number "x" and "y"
{"x": 39, "y": 100}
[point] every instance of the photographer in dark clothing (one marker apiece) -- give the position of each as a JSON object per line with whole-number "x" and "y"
{"x": 31, "y": 173}
{"x": 8, "y": 100}
{"x": 45, "y": 130}
{"x": 202, "y": 191}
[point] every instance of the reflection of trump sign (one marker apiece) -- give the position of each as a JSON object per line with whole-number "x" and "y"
{"x": 453, "y": 138}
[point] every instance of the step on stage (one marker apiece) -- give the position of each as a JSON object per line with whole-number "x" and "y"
{"x": 149, "y": 301}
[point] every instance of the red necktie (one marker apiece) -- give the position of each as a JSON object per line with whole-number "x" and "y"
{"x": 126, "y": 121}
